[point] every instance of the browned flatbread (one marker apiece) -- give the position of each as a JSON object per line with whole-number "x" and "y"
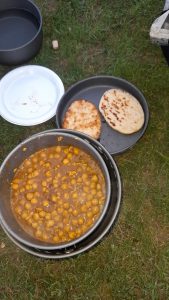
{"x": 122, "y": 111}
{"x": 83, "y": 116}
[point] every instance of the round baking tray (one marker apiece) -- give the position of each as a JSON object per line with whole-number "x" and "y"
{"x": 107, "y": 223}
{"x": 92, "y": 90}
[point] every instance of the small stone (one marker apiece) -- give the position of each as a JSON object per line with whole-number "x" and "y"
{"x": 55, "y": 44}
{"x": 2, "y": 245}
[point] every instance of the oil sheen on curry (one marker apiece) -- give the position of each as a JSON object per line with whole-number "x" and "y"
{"x": 57, "y": 194}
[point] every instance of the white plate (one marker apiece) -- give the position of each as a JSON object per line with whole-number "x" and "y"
{"x": 29, "y": 95}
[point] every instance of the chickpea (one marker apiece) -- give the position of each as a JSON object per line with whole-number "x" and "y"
{"x": 47, "y": 216}
{"x": 93, "y": 185}
{"x": 66, "y": 196}
{"x": 98, "y": 186}
{"x": 83, "y": 208}
{"x": 28, "y": 187}
{"x": 60, "y": 210}
{"x": 60, "y": 202}
{"x": 58, "y": 149}
{"x": 29, "y": 196}
{"x": 73, "y": 181}
{"x": 67, "y": 228}
{"x": 36, "y": 216}
{"x": 76, "y": 151}
{"x": 27, "y": 163}
{"x": 93, "y": 192}
{"x": 38, "y": 233}
{"x": 64, "y": 186}
{"x": 87, "y": 183}
{"x": 75, "y": 213}
{"x": 89, "y": 214}
{"x": 65, "y": 161}
{"x": 74, "y": 222}
{"x": 99, "y": 194}
{"x": 57, "y": 218}
{"x": 47, "y": 165}
{"x": 94, "y": 178}
{"x": 28, "y": 206}
{"x": 78, "y": 231}
{"x": 66, "y": 150}
{"x": 95, "y": 210}
{"x": 54, "y": 213}
{"x": 18, "y": 210}
{"x": 66, "y": 205}
{"x": 34, "y": 186}
{"x": 44, "y": 183}
{"x": 15, "y": 186}
{"x": 72, "y": 235}
{"x": 45, "y": 236}
{"x": 34, "y": 201}
{"x": 80, "y": 221}
{"x": 89, "y": 223}
{"x": 54, "y": 198}
{"x": 60, "y": 233}
{"x": 75, "y": 195}
{"x": 95, "y": 202}
{"x": 30, "y": 170}
{"x": 88, "y": 204}
{"x": 16, "y": 180}
{"x": 89, "y": 197}
{"x": 56, "y": 239}
{"x": 50, "y": 223}
{"x": 42, "y": 213}
{"x": 24, "y": 215}
{"x": 65, "y": 220}
{"x": 22, "y": 202}
{"x": 86, "y": 189}
{"x": 34, "y": 225}
{"x": 84, "y": 176}
{"x": 43, "y": 154}
{"x": 45, "y": 203}
{"x": 48, "y": 174}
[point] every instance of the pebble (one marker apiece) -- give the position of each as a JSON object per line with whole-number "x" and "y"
{"x": 2, "y": 245}
{"x": 55, "y": 44}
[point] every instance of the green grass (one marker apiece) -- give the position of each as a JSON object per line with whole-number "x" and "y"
{"x": 132, "y": 262}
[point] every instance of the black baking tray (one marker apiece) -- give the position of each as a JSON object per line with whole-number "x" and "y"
{"x": 103, "y": 228}
{"x": 92, "y": 90}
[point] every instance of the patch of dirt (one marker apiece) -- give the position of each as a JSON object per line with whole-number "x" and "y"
{"x": 159, "y": 231}
{"x": 104, "y": 291}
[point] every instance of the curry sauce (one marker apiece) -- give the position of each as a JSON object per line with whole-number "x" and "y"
{"x": 58, "y": 193}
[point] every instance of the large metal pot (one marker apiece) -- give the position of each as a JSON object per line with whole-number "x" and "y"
{"x": 20, "y": 31}
{"x": 16, "y": 157}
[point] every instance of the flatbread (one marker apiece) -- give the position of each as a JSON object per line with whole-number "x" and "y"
{"x": 83, "y": 116}
{"x": 122, "y": 111}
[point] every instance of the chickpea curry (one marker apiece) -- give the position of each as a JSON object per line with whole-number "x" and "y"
{"x": 58, "y": 193}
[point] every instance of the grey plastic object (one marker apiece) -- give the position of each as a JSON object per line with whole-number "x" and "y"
{"x": 159, "y": 31}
